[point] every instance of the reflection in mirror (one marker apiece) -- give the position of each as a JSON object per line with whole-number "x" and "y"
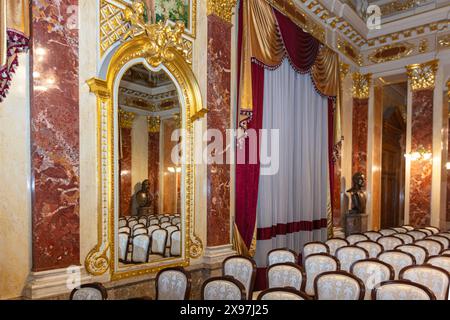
{"x": 149, "y": 171}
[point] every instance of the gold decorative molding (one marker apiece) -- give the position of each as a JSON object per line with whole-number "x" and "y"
{"x": 361, "y": 85}
{"x": 444, "y": 41}
{"x": 423, "y": 46}
{"x": 344, "y": 68}
{"x": 112, "y": 25}
{"x": 126, "y": 119}
{"x": 154, "y": 124}
{"x": 221, "y": 8}
{"x": 391, "y": 52}
{"x": 422, "y": 76}
{"x": 349, "y": 51}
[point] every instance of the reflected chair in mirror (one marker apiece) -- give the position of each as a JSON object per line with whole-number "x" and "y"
{"x": 336, "y": 243}
{"x": 315, "y": 265}
{"x": 401, "y": 290}
{"x": 373, "y": 235}
{"x": 132, "y": 223}
{"x": 123, "y": 240}
{"x": 242, "y": 269}
{"x": 338, "y": 285}
{"x": 164, "y": 219}
{"x": 417, "y": 235}
{"x": 281, "y": 256}
{"x": 158, "y": 246}
{"x": 372, "y": 272}
{"x": 123, "y": 223}
{"x": 170, "y": 229}
{"x": 406, "y": 238}
{"x": 140, "y": 249}
{"x": 373, "y": 248}
{"x": 223, "y": 288}
{"x": 434, "y": 278}
{"x": 390, "y": 242}
{"x": 164, "y": 225}
{"x": 152, "y": 228}
{"x": 143, "y": 221}
{"x": 153, "y": 222}
{"x": 445, "y": 252}
{"x": 90, "y": 291}
{"x": 349, "y": 255}
{"x": 443, "y": 240}
{"x": 397, "y": 259}
{"x": 356, "y": 237}
{"x": 286, "y": 275}
{"x": 419, "y": 253}
{"x": 173, "y": 284}
{"x": 175, "y": 245}
{"x": 125, "y": 230}
{"x": 441, "y": 261}
{"x": 282, "y": 294}
{"x": 433, "y": 247}
{"x": 176, "y": 220}
{"x": 139, "y": 231}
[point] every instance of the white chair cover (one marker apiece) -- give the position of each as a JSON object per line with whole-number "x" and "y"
{"x": 221, "y": 289}
{"x": 151, "y": 229}
{"x": 407, "y": 239}
{"x": 442, "y": 261}
{"x": 164, "y": 219}
{"x": 349, "y": 255}
{"x": 285, "y": 275}
{"x": 125, "y": 230}
{"x": 338, "y": 286}
{"x": 123, "y": 240}
{"x": 373, "y": 235}
{"x": 354, "y": 238}
{"x": 397, "y": 259}
{"x": 279, "y": 294}
{"x": 172, "y": 285}
{"x": 417, "y": 235}
{"x": 336, "y": 243}
{"x": 434, "y": 278}
{"x": 87, "y": 293}
{"x": 140, "y": 249}
{"x": 397, "y": 290}
{"x": 243, "y": 270}
{"x": 373, "y": 248}
{"x": 387, "y": 232}
{"x": 399, "y": 230}
{"x": 317, "y": 264}
{"x": 281, "y": 256}
{"x": 428, "y": 232}
{"x": 419, "y": 253}
{"x": 153, "y": 222}
{"x": 139, "y": 231}
{"x": 122, "y": 223}
{"x": 132, "y": 223}
{"x": 372, "y": 272}
{"x": 159, "y": 239}
{"x": 390, "y": 242}
{"x": 433, "y": 247}
{"x": 409, "y": 228}
{"x": 433, "y": 229}
{"x": 443, "y": 240}
{"x": 314, "y": 247}
{"x": 175, "y": 246}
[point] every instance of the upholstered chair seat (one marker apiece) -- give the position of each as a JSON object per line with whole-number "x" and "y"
{"x": 338, "y": 285}
{"x": 419, "y": 253}
{"x": 281, "y": 256}
{"x": 242, "y": 269}
{"x": 390, "y": 242}
{"x": 433, "y": 247}
{"x": 372, "y": 272}
{"x": 373, "y": 248}
{"x": 91, "y": 291}
{"x": 401, "y": 290}
{"x": 349, "y": 255}
{"x": 223, "y": 288}
{"x": 282, "y": 294}
{"x": 286, "y": 275}
{"x": 357, "y": 237}
{"x": 434, "y": 278}
{"x": 397, "y": 259}
{"x": 336, "y": 243}
{"x": 316, "y": 264}
{"x": 373, "y": 235}
{"x": 173, "y": 284}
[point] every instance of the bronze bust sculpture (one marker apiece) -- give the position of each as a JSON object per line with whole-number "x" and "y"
{"x": 143, "y": 196}
{"x": 358, "y": 195}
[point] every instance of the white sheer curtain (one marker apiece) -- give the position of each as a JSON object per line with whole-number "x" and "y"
{"x": 296, "y": 198}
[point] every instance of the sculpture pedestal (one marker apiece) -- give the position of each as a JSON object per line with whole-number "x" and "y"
{"x": 145, "y": 211}
{"x": 355, "y": 223}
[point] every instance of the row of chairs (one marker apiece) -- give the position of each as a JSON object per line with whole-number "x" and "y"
{"x": 149, "y": 220}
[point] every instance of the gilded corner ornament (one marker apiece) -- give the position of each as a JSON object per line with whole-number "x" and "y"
{"x": 422, "y": 76}
{"x": 344, "y": 68}
{"x": 361, "y": 85}
{"x": 221, "y": 8}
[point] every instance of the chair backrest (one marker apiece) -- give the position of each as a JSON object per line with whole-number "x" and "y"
{"x": 153, "y": 222}
{"x": 428, "y": 232}
{"x": 132, "y": 223}
{"x": 152, "y": 228}
{"x": 125, "y": 230}
{"x": 419, "y": 253}
{"x": 416, "y": 234}
{"x": 349, "y": 255}
{"x": 90, "y": 291}
{"x": 122, "y": 223}
{"x": 445, "y": 235}
{"x": 176, "y": 220}
{"x": 338, "y": 285}
{"x": 443, "y": 240}
{"x": 173, "y": 284}
{"x": 445, "y": 252}
{"x": 164, "y": 219}
{"x": 373, "y": 235}
{"x": 442, "y": 261}
{"x": 399, "y": 230}
{"x": 357, "y": 237}
{"x": 372, "y": 272}
{"x": 401, "y": 290}
{"x": 175, "y": 244}
{"x": 373, "y": 248}
{"x": 223, "y": 288}
{"x": 139, "y": 231}
{"x": 390, "y": 242}
{"x": 170, "y": 229}
{"x": 314, "y": 247}
{"x": 408, "y": 227}
{"x": 165, "y": 225}
{"x": 316, "y": 264}
{"x": 336, "y": 243}
{"x": 143, "y": 220}
{"x": 406, "y": 238}
{"x": 286, "y": 275}
{"x": 397, "y": 259}
{"x": 123, "y": 241}
{"x": 282, "y": 294}
{"x": 159, "y": 240}
{"x": 434, "y": 278}
{"x": 435, "y": 230}
{"x": 242, "y": 269}
{"x": 387, "y": 232}
{"x": 141, "y": 247}
{"x": 433, "y": 247}
{"x": 281, "y": 256}
{"x": 138, "y": 226}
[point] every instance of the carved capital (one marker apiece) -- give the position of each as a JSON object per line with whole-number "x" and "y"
{"x": 154, "y": 124}
{"x": 422, "y": 76}
{"x": 126, "y": 119}
{"x": 222, "y": 8}
{"x": 344, "y": 68}
{"x": 361, "y": 85}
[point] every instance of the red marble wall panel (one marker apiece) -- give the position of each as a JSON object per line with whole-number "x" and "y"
{"x": 336, "y": 196}
{"x": 448, "y": 175}
{"x": 359, "y": 135}
{"x": 219, "y": 85}
{"x": 153, "y": 167}
{"x": 421, "y": 170}
{"x": 55, "y": 134}
{"x": 125, "y": 173}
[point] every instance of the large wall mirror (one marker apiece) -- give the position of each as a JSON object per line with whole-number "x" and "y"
{"x": 147, "y": 104}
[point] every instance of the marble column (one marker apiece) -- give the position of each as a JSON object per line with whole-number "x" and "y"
{"x": 218, "y": 118}
{"x": 422, "y": 82}
{"x": 125, "y": 172}
{"x": 55, "y": 134}
{"x": 153, "y": 167}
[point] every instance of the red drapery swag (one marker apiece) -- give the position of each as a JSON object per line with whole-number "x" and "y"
{"x": 301, "y": 50}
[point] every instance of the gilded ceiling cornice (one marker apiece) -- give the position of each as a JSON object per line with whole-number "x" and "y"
{"x": 361, "y": 85}
{"x": 422, "y": 76}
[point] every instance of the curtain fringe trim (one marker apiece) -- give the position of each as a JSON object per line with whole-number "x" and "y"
{"x": 291, "y": 227}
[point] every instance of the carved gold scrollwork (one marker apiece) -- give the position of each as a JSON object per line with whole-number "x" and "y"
{"x": 361, "y": 85}
{"x": 222, "y": 8}
{"x": 422, "y": 76}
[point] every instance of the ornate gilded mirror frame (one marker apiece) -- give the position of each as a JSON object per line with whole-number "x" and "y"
{"x": 161, "y": 47}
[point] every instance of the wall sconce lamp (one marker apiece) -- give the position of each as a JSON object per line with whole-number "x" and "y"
{"x": 174, "y": 169}
{"x": 420, "y": 154}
